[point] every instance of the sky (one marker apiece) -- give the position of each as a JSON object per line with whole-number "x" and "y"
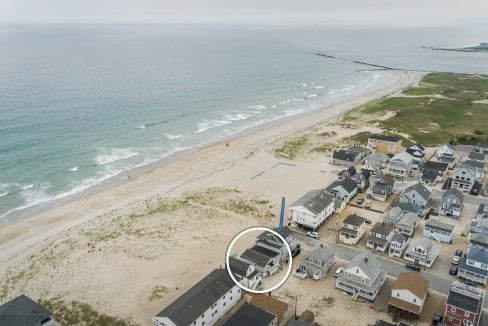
{"x": 348, "y": 12}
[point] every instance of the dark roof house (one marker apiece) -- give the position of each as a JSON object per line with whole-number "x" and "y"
{"x": 249, "y": 314}
{"x": 22, "y": 311}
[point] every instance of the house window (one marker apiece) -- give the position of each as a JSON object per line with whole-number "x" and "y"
{"x": 466, "y": 314}
{"x": 453, "y": 309}
{"x": 414, "y": 300}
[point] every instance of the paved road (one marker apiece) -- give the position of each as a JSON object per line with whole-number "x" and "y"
{"x": 393, "y": 268}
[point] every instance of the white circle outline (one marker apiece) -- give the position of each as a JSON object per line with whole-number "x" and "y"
{"x": 258, "y": 228}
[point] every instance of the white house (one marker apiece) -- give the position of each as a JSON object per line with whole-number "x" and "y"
{"x": 421, "y": 251}
{"x": 417, "y": 195}
{"x": 352, "y": 229}
{"x": 400, "y": 165}
{"x": 313, "y": 209}
{"x": 246, "y": 274}
{"x": 344, "y": 189}
{"x": 445, "y": 150}
{"x": 408, "y": 295}
{"x": 203, "y": 304}
{"x": 398, "y": 243}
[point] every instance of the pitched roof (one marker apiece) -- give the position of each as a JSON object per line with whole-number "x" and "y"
{"x": 429, "y": 175}
{"x": 284, "y": 231}
{"x": 479, "y": 255}
{"x": 238, "y": 266}
{"x": 264, "y": 251}
{"x": 413, "y": 282}
{"x": 321, "y": 253}
{"x": 348, "y": 184}
{"x": 255, "y": 257}
{"x": 420, "y": 189}
{"x": 194, "y": 302}
{"x": 435, "y": 224}
{"x": 398, "y": 237}
{"x": 270, "y": 304}
{"x": 421, "y": 242}
{"x": 367, "y": 262}
{"x": 377, "y": 156}
{"x": 315, "y": 201}
{"x": 477, "y": 156}
{"x": 454, "y": 192}
{"x": 344, "y": 155}
{"x": 402, "y": 156}
{"x": 405, "y": 207}
{"x": 386, "y": 138}
{"x": 382, "y": 228}
{"x": 354, "y": 219}
{"x": 434, "y": 165}
{"x": 249, "y": 314}
{"x": 475, "y": 164}
{"x": 479, "y": 239}
{"x": 459, "y": 299}
{"x": 23, "y": 311}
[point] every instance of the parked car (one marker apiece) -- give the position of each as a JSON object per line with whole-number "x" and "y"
{"x": 437, "y": 319}
{"x": 338, "y": 272}
{"x": 459, "y": 253}
{"x": 455, "y": 260}
{"x": 314, "y": 235}
{"x": 360, "y": 201}
{"x": 453, "y": 270}
{"x": 367, "y": 205}
{"x": 367, "y": 221}
{"x": 413, "y": 267}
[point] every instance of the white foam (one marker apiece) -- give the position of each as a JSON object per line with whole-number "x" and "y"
{"x": 238, "y": 116}
{"x": 74, "y": 169}
{"x": 28, "y": 187}
{"x": 3, "y": 194}
{"x": 171, "y": 136}
{"x": 141, "y": 127}
{"x": 114, "y": 154}
{"x": 210, "y": 124}
{"x": 312, "y": 95}
{"x": 318, "y": 87}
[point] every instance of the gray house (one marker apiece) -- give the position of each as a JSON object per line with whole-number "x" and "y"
{"x": 344, "y": 189}
{"x": 345, "y": 157}
{"x": 478, "y": 240}
{"x": 421, "y": 251}
{"x": 398, "y": 244}
{"x": 417, "y": 195}
{"x": 439, "y": 231}
{"x": 474, "y": 266}
{"x": 317, "y": 263}
{"x": 24, "y": 311}
{"x": 477, "y": 157}
{"x": 407, "y": 224}
{"x": 270, "y": 241}
{"x": 479, "y": 226}
{"x": 482, "y": 211}
{"x": 481, "y": 148}
{"x": 267, "y": 262}
{"x": 417, "y": 151}
{"x": 246, "y": 274}
{"x": 451, "y": 203}
{"x": 363, "y": 276}
{"x": 464, "y": 177}
{"x": 433, "y": 172}
{"x": 382, "y": 187}
{"x": 376, "y": 161}
{"x": 380, "y": 236}
{"x": 400, "y": 165}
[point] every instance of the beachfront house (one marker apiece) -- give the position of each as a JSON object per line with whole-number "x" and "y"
{"x": 270, "y": 241}
{"x": 464, "y": 177}
{"x": 478, "y": 167}
{"x": 382, "y": 187}
{"x": 352, "y": 229}
{"x": 417, "y": 151}
{"x": 317, "y": 263}
{"x": 389, "y": 145}
{"x": 482, "y": 211}
{"x": 433, "y": 172}
{"x": 464, "y": 305}
{"x": 451, "y": 203}
{"x": 417, "y": 195}
{"x": 245, "y": 273}
{"x": 474, "y": 266}
{"x": 362, "y": 277}
{"x": 380, "y": 236}
{"x": 361, "y": 178}
{"x": 376, "y": 162}
{"x": 313, "y": 209}
{"x": 266, "y": 262}
{"x": 408, "y": 295}
{"x": 398, "y": 244}
{"x": 445, "y": 150}
{"x": 345, "y": 157}
{"x": 400, "y": 165}
{"x": 203, "y": 304}
{"x": 249, "y": 314}
{"x": 22, "y": 310}
{"x": 344, "y": 189}
{"x": 421, "y": 251}
{"x": 282, "y": 310}
{"x": 439, "y": 231}
{"x": 481, "y": 148}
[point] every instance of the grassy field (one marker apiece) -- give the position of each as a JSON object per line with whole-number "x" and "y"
{"x": 443, "y": 107}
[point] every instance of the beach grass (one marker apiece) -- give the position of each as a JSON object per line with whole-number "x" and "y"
{"x": 443, "y": 107}
{"x": 291, "y": 148}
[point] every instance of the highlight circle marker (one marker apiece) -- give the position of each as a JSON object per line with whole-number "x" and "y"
{"x": 251, "y": 229}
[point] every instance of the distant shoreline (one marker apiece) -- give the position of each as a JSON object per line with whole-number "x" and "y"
{"x": 465, "y": 49}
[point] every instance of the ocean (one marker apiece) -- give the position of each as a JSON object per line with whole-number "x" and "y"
{"x": 80, "y": 104}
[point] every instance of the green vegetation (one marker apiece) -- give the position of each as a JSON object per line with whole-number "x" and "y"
{"x": 79, "y": 313}
{"x": 291, "y": 148}
{"x": 444, "y": 107}
{"x": 158, "y": 292}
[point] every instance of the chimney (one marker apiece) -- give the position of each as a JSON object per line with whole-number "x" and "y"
{"x": 365, "y": 259}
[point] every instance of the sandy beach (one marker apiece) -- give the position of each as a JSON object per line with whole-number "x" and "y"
{"x": 168, "y": 226}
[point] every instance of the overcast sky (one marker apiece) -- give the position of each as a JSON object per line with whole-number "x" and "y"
{"x": 374, "y": 12}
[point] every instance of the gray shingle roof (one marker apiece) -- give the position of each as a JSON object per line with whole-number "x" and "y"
{"x": 398, "y": 237}
{"x": 464, "y": 302}
{"x": 354, "y": 219}
{"x": 315, "y": 201}
{"x": 420, "y": 189}
{"x": 436, "y": 166}
{"x": 367, "y": 262}
{"x": 321, "y": 253}
{"x": 454, "y": 192}
{"x": 345, "y": 155}
{"x": 348, "y": 184}
{"x": 386, "y": 138}
{"x": 477, "y": 156}
{"x": 479, "y": 255}
{"x": 435, "y": 224}
{"x": 264, "y": 251}
{"x": 382, "y": 228}
{"x": 22, "y": 311}
{"x": 249, "y": 314}
{"x": 255, "y": 257}
{"x": 194, "y": 302}
{"x": 238, "y": 266}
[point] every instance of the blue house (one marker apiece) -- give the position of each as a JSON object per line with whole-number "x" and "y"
{"x": 439, "y": 231}
{"x": 474, "y": 266}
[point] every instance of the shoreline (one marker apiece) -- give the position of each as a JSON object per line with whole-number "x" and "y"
{"x": 27, "y": 211}
{"x": 179, "y": 169}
